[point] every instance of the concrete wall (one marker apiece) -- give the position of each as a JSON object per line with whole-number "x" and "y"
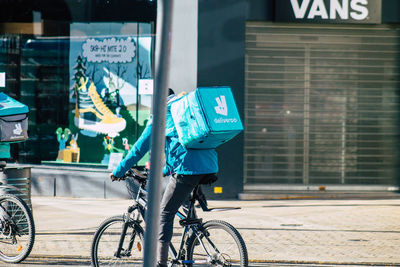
{"x": 78, "y": 182}
{"x": 183, "y": 72}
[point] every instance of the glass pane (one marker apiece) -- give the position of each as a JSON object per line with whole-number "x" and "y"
{"x": 82, "y": 90}
{"x": 107, "y": 60}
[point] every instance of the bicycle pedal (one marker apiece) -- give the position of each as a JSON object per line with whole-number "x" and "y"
{"x": 185, "y": 222}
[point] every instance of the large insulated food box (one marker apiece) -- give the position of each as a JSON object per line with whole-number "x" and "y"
{"x": 13, "y": 120}
{"x": 206, "y": 117}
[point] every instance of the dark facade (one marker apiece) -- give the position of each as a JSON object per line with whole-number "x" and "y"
{"x": 316, "y": 113}
{"x": 321, "y": 94}
{"x": 221, "y": 33}
{"x": 319, "y": 98}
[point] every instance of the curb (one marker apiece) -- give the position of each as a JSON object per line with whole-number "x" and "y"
{"x": 314, "y": 195}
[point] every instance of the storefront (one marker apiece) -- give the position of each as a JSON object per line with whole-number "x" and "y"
{"x": 85, "y": 69}
{"x": 315, "y": 81}
{"x": 322, "y": 94}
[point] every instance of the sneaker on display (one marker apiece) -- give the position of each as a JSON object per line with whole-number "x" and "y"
{"x": 92, "y": 114}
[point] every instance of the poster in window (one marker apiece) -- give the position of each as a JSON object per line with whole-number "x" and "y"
{"x": 106, "y": 62}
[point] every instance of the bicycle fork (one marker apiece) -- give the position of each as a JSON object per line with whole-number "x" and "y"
{"x": 127, "y": 221}
{"x": 179, "y": 257}
{"x": 195, "y": 227}
{"x": 210, "y": 258}
{"x": 7, "y": 226}
{"x": 203, "y": 235}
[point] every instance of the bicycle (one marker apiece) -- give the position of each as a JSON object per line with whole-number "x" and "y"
{"x": 119, "y": 239}
{"x": 17, "y": 228}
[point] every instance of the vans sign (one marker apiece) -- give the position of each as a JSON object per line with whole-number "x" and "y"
{"x": 329, "y": 11}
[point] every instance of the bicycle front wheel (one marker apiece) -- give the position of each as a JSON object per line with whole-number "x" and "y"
{"x": 106, "y": 249}
{"x": 217, "y": 244}
{"x": 17, "y": 229}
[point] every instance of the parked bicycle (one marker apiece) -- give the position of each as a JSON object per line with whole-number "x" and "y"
{"x": 17, "y": 229}
{"x": 119, "y": 239}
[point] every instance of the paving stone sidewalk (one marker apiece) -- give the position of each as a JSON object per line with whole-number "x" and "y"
{"x": 345, "y": 232}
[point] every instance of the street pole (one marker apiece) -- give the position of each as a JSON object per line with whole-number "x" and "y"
{"x": 163, "y": 43}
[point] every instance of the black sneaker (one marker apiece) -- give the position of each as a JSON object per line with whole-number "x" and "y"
{"x": 162, "y": 265}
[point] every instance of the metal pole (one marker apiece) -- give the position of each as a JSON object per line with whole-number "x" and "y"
{"x": 163, "y": 43}
{"x": 55, "y": 187}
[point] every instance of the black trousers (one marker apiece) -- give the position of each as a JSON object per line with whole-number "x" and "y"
{"x": 177, "y": 193}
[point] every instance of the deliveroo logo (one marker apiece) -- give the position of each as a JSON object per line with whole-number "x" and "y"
{"x": 222, "y": 108}
{"x": 18, "y": 129}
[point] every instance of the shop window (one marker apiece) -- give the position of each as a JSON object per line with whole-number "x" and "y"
{"x": 89, "y": 93}
{"x": 108, "y": 110}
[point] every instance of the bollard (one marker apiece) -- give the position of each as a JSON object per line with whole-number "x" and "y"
{"x": 104, "y": 188}
{"x": 55, "y": 187}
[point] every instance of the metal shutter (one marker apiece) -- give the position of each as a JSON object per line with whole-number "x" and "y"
{"x": 322, "y": 104}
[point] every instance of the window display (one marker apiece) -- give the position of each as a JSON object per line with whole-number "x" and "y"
{"x": 106, "y": 62}
{"x": 86, "y": 105}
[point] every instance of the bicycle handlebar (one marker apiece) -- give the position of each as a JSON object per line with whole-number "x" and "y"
{"x": 137, "y": 175}
{"x": 141, "y": 178}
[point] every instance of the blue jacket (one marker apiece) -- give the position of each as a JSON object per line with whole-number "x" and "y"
{"x": 178, "y": 159}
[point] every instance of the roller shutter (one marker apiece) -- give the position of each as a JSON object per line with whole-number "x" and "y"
{"x": 322, "y": 104}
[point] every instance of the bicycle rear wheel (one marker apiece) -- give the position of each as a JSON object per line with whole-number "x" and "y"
{"x": 106, "y": 241}
{"x": 218, "y": 244}
{"x": 17, "y": 229}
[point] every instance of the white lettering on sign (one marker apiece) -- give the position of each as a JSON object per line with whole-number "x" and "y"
{"x": 299, "y": 11}
{"x": 359, "y": 10}
{"x": 221, "y": 120}
{"x": 109, "y": 50}
{"x": 362, "y": 10}
{"x": 342, "y": 10}
{"x": 318, "y": 9}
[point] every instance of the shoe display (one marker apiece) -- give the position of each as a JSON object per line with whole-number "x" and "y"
{"x": 92, "y": 114}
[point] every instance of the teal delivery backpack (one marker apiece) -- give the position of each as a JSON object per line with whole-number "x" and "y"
{"x": 13, "y": 120}
{"x": 206, "y": 117}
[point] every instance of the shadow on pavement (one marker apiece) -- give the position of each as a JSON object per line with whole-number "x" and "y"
{"x": 33, "y": 261}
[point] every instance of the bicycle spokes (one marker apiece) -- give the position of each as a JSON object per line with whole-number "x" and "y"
{"x": 112, "y": 248}
{"x": 219, "y": 244}
{"x": 16, "y": 229}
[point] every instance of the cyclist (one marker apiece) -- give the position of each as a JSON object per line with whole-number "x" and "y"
{"x": 187, "y": 167}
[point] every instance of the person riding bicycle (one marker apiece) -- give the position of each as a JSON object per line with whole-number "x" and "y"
{"x": 187, "y": 167}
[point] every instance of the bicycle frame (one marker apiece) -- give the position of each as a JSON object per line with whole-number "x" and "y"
{"x": 188, "y": 222}
{"x": 140, "y": 205}
{"x": 191, "y": 221}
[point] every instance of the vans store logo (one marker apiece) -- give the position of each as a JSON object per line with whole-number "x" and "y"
{"x": 329, "y": 11}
